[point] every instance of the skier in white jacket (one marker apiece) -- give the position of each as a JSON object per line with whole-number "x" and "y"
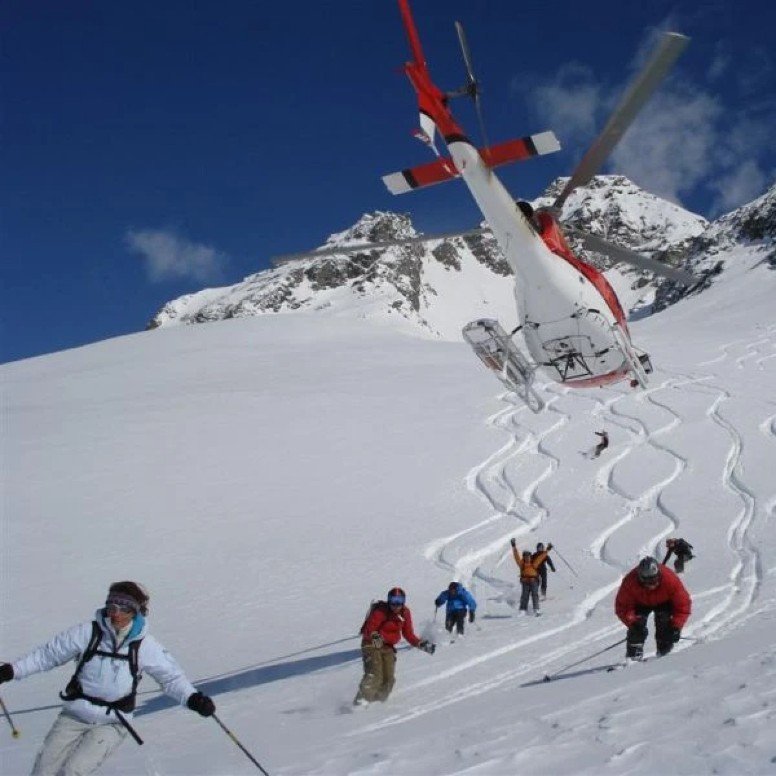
{"x": 112, "y": 652}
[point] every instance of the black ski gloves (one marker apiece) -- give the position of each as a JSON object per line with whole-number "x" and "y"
{"x": 676, "y": 635}
{"x": 513, "y": 542}
{"x": 427, "y": 646}
{"x": 471, "y": 616}
{"x": 200, "y": 703}
{"x": 6, "y": 672}
{"x": 549, "y": 546}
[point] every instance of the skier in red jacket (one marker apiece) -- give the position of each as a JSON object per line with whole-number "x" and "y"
{"x": 383, "y": 628}
{"x": 652, "y": 587}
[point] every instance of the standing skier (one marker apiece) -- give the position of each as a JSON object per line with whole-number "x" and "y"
{"x": 382, "y": 630}
{"x": 112, "y": 653}
{"x": 682, "y": 550}
{"x": 602, "y": 445}
{"x": 529, "y": 575}
{"x": 648, "y": 588}
{"x": 458, "y": 600}
{"x": 542, "y": 567}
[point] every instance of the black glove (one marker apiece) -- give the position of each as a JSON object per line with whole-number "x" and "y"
{"x": 377, "y": 640}
{"x": 676, "y": 635}
{"x": 549, "y": 546}
{"x": 6, "y": 672}
{"x": 471, "y": 616}
{"x": 200, "y": 703}
{"x": 513, "y": 542}
{"x": 427, "y": 646}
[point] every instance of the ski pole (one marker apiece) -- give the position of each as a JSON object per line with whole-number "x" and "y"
{"x": 565, "y": 561}
{"x": 548, "y": 677}
{"x": 236, "y": 741}
{"x": 14, "y": 732}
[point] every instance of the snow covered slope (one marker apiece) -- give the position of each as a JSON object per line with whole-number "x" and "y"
{"x": 267, "y": 477}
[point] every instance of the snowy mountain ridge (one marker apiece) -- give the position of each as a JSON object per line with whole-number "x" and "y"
{"x": 435, "y": 287}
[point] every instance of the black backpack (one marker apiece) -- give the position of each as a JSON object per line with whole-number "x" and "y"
{"x": 74, "y": 690}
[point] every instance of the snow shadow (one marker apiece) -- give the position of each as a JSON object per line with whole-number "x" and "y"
{"x": 253, "y": 677}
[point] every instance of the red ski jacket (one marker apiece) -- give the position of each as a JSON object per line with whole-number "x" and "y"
{"x": 390, "y": 625}
{"x": 670, "y": 590}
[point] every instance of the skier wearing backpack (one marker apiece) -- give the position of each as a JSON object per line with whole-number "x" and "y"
{"x": 112, "y": 652}
{"x": 458, "y": 600}
{"x": 382, "y": 630}
{"x": 542, "y": 567}
{"x": 529, "y": 575}
{"x": 651, "y": 587}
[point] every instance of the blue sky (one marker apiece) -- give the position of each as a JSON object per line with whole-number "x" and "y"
{"x": 154, "y": 148}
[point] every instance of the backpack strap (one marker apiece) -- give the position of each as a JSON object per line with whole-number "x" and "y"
{"x": 74, "y": 690}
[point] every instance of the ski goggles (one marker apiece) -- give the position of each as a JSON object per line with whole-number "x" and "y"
{"x": 121, "y": 604}
{"x": 396, "y": 600}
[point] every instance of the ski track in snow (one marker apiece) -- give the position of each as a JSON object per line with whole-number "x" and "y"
{"x": 474, "y": 554}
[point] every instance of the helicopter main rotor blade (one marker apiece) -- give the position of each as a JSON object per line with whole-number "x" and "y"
{"x": 362, "y": 247}
{"x": 671, "y": 46}
{"x": 598, "y": 245}
{"x": 472, "y": 86}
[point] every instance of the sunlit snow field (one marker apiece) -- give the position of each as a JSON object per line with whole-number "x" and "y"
{"x": 267, "y": 478}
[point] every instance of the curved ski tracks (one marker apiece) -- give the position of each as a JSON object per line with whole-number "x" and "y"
{"x": 475, "y": 553}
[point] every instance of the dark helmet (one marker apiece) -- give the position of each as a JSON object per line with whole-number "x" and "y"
{"x": 131, "y": 593}
{"x": 526, "y": 553}
{"x": 648, "y": 571}
{"x": 539, "y": 547}
{"x": 396, "y": 596}
{"x": 453, "y": 587}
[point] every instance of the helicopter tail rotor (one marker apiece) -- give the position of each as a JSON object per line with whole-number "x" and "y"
{"x": 472, "y": 87}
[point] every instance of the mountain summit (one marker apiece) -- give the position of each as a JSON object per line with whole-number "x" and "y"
{"x": 435, "y": 288}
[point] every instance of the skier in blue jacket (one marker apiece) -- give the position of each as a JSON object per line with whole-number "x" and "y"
{"x": 458, "y": 600}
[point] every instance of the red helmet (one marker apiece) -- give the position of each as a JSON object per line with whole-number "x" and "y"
{"x": 396, "y": 596}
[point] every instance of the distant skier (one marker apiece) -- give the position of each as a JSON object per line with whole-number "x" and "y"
{"x": 458, "y": 600}
{"x": 112, "y": 652}
{"x": 651, "y": 587}
{"x": 682, "y": 550}
{"x": 602, "y": 445}
{"x": 382, "y": 630}
{"x": 529, "y": 575}
{"x": 542, "y": 568}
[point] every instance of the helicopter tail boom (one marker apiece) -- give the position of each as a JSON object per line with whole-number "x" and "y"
{"x": 443, "y": 169}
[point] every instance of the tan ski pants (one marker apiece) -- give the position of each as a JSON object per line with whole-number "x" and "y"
{"x": 379, "y": 673}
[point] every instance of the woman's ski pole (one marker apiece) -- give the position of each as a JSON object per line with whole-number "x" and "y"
{"x": 14, "y": 732}
{"x": 565, "y": 561}
{"x": 549, "y": 677}
{"x": 236, "y": 741}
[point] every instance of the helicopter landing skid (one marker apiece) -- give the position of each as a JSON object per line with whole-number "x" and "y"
{"x": 498, "y": 352}
{"x": 640, "y": 365}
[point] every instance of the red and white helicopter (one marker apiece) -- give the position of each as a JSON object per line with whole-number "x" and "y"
{"x": 572, "y": 323}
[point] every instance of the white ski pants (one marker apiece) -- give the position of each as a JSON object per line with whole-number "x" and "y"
{"x": 75, "y": 748}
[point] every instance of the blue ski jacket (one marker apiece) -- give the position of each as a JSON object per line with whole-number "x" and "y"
{"x": 462, "y": 600}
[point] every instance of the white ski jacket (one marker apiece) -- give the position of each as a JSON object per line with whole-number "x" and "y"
{"x": 104, "y": 677}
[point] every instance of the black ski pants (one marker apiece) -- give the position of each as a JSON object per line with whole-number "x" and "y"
{"x": 638, "y": 632}
{"x": 543, "y": 578}
{"x": 530, "y": 590}
{"x": 455, "y": 618}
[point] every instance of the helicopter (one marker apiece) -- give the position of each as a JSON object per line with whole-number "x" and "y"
{"x": 572, "y": 324}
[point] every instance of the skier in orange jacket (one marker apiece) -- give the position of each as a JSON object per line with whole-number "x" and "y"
{"x": 529, "y": 575}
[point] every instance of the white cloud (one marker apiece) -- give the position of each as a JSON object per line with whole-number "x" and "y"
{"x": 673, "y": 147}
{"x": 742, "y": 184}
{"x": 168, "y": 256}
{"x": 568, "y": 102}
